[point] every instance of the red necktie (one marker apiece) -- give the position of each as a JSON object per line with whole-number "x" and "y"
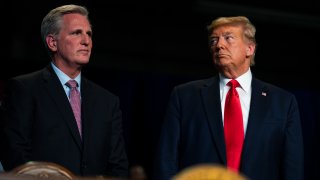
{"x": 75, "y": 101}
{"x": 233, "y": 126}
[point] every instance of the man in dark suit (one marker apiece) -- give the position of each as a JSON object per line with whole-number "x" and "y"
{"x": 194, "y": 129}
{"x": 39, "y": 121}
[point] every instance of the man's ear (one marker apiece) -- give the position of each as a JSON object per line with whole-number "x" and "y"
{"x": 51, "y": 42}
{"x": 250, "y": 49}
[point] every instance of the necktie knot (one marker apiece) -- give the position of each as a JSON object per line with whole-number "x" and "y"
{"x": 233, "y": 83}
{"x": 72, "y": 83}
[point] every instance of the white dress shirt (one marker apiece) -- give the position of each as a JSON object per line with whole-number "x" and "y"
{"x": 244, "y": 92}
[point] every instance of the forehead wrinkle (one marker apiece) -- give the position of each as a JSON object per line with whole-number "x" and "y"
{"x": 223, "y": 34}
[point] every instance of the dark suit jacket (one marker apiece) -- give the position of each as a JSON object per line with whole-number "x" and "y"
{"x": 192, "y": 132}
{"x": 40, "y": 126}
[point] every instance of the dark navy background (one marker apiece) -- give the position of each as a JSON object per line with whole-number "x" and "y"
{"x": 142, "y": 49}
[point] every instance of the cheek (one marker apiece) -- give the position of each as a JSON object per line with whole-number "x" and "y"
{"x": 239, "y": 51}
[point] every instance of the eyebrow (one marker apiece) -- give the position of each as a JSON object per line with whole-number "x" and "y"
{"x": 223, "y": 34}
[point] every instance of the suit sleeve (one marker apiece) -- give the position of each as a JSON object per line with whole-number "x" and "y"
{"x": 17, "y": 125}
{"x": 293, "y": 155}
{"x": 166, "y": 163}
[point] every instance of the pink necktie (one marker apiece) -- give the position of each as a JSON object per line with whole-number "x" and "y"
{"x": 233, "y": 127}
{"x": 74, "y": 98}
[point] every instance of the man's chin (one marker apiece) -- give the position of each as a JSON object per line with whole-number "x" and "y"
{"x": 222, "y": 62}
{"x": 83, "y": 62}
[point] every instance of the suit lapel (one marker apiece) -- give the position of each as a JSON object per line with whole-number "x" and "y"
{"x": 86, "y": 109}
{"x": 211, "y": 100}
{"x": 56, "y": 91}
{"x": 258, "y": 109}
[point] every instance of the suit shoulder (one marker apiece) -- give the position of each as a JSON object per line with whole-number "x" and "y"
{"x": 194, "y": 84}
{"x": 98, "y": 89}
{"x": 274, "y": 89}
{"x": 28, "y": 76}
{"x": 26, "y": 80}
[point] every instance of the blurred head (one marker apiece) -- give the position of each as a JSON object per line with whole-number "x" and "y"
{"x": 232, "y": 42}
{"x": 67, "y": 34}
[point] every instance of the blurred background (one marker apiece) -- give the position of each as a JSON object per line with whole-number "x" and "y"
{"x": 143, "y": 48}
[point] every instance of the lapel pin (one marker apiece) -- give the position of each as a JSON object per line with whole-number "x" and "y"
{"x": 264, "y": 94}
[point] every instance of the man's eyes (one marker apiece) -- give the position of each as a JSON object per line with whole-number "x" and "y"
{"x": 229, "y": 37}
{"x": 215, "y": 40}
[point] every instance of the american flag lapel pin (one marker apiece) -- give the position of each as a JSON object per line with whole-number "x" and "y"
{"x": 264, "y": 94}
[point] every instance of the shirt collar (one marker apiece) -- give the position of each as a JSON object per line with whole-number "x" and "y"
{"x": 244, "y": 80}
{"x": 63, "y": 77}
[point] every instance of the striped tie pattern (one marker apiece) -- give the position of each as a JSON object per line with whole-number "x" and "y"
{"x": 74, "y": 98}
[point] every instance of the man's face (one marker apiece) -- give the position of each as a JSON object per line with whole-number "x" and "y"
{"x": 229, "y": 48}
{"x": 74, "y": 41}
